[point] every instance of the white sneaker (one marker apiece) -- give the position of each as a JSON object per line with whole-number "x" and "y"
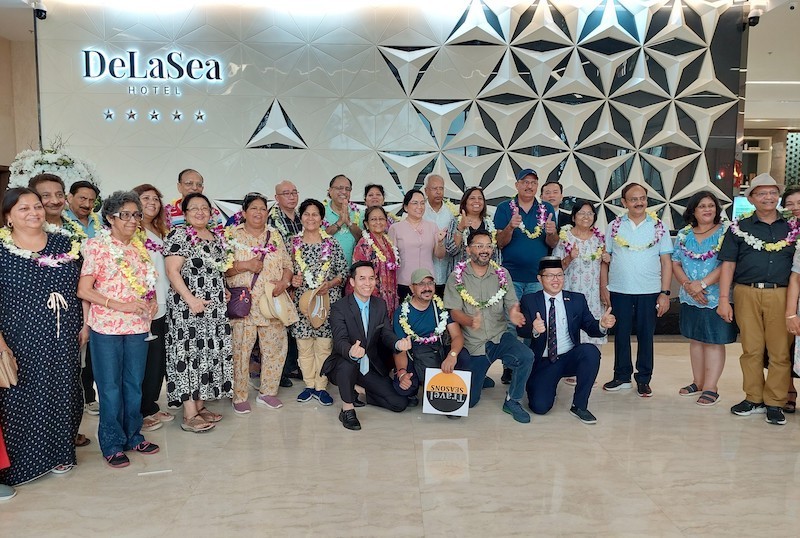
{"x": 92, "y": 408}
{"x": 6, "y": 492}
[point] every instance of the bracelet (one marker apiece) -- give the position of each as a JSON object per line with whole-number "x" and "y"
{"x": 107, "y": 299}
{"x": 792, "y": 316}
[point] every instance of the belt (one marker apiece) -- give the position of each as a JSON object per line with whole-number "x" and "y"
{"x": 765, "y": 285}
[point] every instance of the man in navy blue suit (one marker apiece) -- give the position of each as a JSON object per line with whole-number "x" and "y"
{"x": 557, "y": 319}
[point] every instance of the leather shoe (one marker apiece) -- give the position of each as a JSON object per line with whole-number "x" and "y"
{"x": 349, "y": 419}
{"x": 413, "y": 401}
{"x": 295, "y": 374}
{"x": 286, "y": 382}
{"x": 357, "y": 402}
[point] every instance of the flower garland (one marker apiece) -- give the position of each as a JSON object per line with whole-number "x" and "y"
{"x": 437, "y": 333}
{"x": 379, "y": 253}
{"x": 453, "y": 208}
{"x": 458, "y": 272}
{"x": 617, "y": 222}
{"x": 152, "y": 246}
{"x": 147, "y": 289}
{"x": 42, "y": 261}
{"x": 758, "y": 244}
{"x": 355, "y": 214}
{"x": 223, "y": 235}
{"x": 77, "y": 228}
{"x": 596, "y": 255}
{"x": 683, "y": 234}
{"x": 55, "y": 160}
{"x": 258, "y": 250}
{"x": 488, "y": 224}
{"x": 277, "y": 220}
{"x": 313, "y": 281}
{"x": 541, "y": 218}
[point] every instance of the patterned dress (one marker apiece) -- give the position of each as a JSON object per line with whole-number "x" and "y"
{"x": 40, "y": 416}
{"x": 199, "y": 356}
{"x": 386, "y": 278}
{"x": 583, "y": 276}
{"x": 458, "y": 254}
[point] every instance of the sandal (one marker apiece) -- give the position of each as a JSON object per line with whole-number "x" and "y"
{"x": 208, "y": 415}
{"x": 81, "y": 440}
{"x": 196, "y": 424}
{"x": 690, "y": 390}
{"x": 791, "y": 405}
{"x": 708, "y": 398}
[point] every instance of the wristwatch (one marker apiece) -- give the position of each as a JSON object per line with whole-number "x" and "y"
{"x": 666, "y": 292}
{"x": 703, "y": 284}
{"x": 453, "y": 354}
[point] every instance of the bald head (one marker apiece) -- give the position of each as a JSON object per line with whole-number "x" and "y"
{"x": 434, "y": 190}
{"x": 287, "y": 196}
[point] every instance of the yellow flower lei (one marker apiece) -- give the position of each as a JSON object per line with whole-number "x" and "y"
{"x": 453, "y": 208}
{"x": 441, "y": 325}
{"x": 624, "y": 244}
{"x": 144, "y": 290}
{"x": 562, "y": 235}
{"x": 77, "y": 229}
{"x": 301, "y": 263}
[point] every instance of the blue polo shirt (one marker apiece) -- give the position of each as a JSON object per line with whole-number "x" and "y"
{"x": 521, "y": 255}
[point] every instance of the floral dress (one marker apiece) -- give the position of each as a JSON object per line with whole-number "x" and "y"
{"x": 385, "y": 271}
{"x": 312, "y": 254}
{"x": 458, "y": 254}
{"x": 199, "y": 356}
{"x": 583, "y": 276}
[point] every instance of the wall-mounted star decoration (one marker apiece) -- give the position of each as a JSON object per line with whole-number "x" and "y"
{"x": 200, "y": 116}
{"x": 109, "y": 114}
{"x": 131, "y": 115}
{"x": 177, "y": 115}
{"x": 154, "y": 115}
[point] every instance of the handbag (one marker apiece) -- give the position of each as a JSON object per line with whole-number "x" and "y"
{"x": 241, "y": 300}
{"x": 8, "y": 370}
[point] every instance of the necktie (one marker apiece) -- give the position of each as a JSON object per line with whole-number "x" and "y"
{"x": 363, "y": 362}
{"x": 552, "y": 339}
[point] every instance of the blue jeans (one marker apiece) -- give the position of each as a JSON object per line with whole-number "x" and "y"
{"x": 119, "y": 362}
{"x": 515, "y": 356}
{"x": 628, "y": 309}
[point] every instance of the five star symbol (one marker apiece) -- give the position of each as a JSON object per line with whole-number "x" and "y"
{"x": 108, "y": 114}
{"x": 154, "y": 115}
{"x": 200, "y": 116}
{"x": 131, "y": 115}
{"x": 176, "y": 115}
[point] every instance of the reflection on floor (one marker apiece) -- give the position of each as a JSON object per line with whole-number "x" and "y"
{"x": 658, "y": 466}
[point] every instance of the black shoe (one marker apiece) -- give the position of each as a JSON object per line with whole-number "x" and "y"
{"x": 488, "y": 382}
{"x": 746, "y": 408}
{"x": 286, "y": 382}
{"x": 644, "y": 390}
{"x": 357, "y": 402}
{"x": 583, "y": 415}
{"x": 505, "y": 379}
{"x": 775, "y": 415}
{"x": 349, "y": 419}
{"x": 295, "y": 374}
{"x": 413, "y": 401}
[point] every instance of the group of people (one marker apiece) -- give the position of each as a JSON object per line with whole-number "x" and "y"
{"x": 144, "y": 292}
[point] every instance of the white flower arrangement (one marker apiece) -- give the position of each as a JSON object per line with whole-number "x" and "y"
{"x": 55, "y": 160}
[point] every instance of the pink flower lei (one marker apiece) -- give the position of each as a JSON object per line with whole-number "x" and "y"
{"x": 152, "y": 246}
{"x": 541, "y": 219}
{"x": 595, "y": 232}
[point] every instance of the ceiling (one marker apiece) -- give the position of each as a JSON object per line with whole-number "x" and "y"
{"x": 773, "y": 76}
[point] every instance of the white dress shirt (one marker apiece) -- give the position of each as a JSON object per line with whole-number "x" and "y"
{"x": 563, "y": 339}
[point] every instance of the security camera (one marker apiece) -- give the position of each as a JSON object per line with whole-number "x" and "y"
{"x": 39, "y": 9}
{"x": 754, "y": 17}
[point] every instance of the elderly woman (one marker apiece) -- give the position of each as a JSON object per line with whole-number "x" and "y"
{"x": 473, "y": 217}
{"x": 417, "y": 241}
{"x": 697, "y": 269}
{"x": 41, "y": 324}
{"x": 376, "y": 247}
{"x": 199, "y": 356}
{"x": 319, "y": 265}
{"x": 260, "y": 259}
{"x": 154, "y": 225}
{"x": 375, "y": 196}
{"x": 118, "y": 279}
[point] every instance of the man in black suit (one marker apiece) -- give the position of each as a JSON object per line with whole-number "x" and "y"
{"x": 553, "y": 193}
{"x": 359, "y": 323}
{"x": 556, "y": 344}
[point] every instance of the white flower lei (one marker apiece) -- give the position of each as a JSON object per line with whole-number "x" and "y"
{"x": 376, "y": 249}
{"x": 437, "y": 333}
{"x": 144, "y": 290}
{"x": 277, "y": 220}
{"x": 55, "y": 160}
{"x": 94, "y": 222}
{"x": 43, "y": 261}
{"x": 458, "y": 272}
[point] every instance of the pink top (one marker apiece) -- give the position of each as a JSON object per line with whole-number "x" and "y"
{"x": 109, "y": 280}
{"x": 415, "y": 247}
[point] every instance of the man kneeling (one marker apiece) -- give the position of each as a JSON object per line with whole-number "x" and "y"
{"x": 556, "y": 353}
{"x": 359, "y": 323}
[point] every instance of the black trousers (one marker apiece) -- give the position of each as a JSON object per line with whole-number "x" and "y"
{"x": 582, "y": 361}
{"x": 87, "y": 379}
{"x": 156, "y": 367}
{"x": 291, "y": 364}
{"x": 346, "y": 375}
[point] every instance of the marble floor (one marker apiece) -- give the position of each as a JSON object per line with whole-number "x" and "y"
{"x": 650, "y": 467}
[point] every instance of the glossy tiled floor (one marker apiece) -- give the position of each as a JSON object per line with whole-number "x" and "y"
{"x": 657, "y": 467}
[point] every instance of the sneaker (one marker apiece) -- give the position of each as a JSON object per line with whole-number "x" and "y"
{"x": 62, "y": 469}
{"x": 118, "y": 460}
{"x": 92, "y": 408}
{"x": 150, "y": 424}
{"x": 6, "y": 492}
{"x": 775, "y": 415}
{"x": 644, "y": 390}
{"x": 514, "y": 409}
{"x": 306, "y": 395}
{"x": 616, "y": 384}
{"x": 583, "y": 415}
{"x": 323, "y": 397}
{"x": 241, "y": 408}
{"x": 146, "y": 447}
{"x": 746, "y": 408}
{"x": 270, "y": 401}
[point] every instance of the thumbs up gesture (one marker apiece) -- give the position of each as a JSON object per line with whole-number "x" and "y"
{"x": 356, "y": 351}
{"x": 404, "y": 344}
{"x": 608, "y": 319}
{"x": 516, "y": 218}
{"x": 550, "y": 226}
{"x": 538, "y": 324}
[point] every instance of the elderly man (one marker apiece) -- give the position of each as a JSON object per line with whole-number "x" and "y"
{"x": 189, "y": 181}
{"x": 553, "y": 194}
{"x": 480, "y": 294}
{"x": 346, "y": 227}
{"x": 556, "y": 344}
{"x": 80, "y": 208}
{"x": 51, "y": 189}
{"x": 439, "y": 213}
{"x": 756, "y": 257}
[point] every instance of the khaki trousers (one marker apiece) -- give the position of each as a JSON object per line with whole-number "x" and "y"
{"x": 273, "y": 342}
{"x": 311, "y": 353}
{"x": 760, "y": 316}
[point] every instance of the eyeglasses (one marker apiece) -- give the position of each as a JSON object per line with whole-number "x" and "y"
{"x": 528, "y": 182}
{"x": 343, "y": 188}
{"x": 426, "y": 284}
{"x": 196, "y": 210}
{"x": 637, "y": 199}
{"x": 481, "y": 246}
{"x": 376, "y": 219}
{"x": 288, "y": 193}
{"x": 584, "y": 214}
{"x": 192, "y": 184}
{"x": 128, "y": 215}
{"x": 552, "y": 276}
{"x": 764, "y": 194}
{"x": 417, "y": 202}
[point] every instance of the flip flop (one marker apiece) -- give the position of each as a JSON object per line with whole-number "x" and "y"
{"x": 708, "y": 398}
{"x": 691, "y": 390}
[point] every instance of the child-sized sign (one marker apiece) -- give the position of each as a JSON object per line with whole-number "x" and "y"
{"x": 446, "y": 394}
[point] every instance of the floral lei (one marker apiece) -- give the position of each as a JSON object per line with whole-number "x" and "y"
{"x": 391, "y": 265}
{"x": 432, "y": 338}
{"x": 458, "y": 272}
{"x": 43, "y": 261}
{"x": 758, "y": 244}
{"x": 258, "y": 250}
{"x": 152, "y": 246}
{"x": 489, "y": 225}
{"x": 617, "y": 222}
{"x": 147, "y": 289}
{"x": 277, "y": 220}
{"x": 541, "y": 218}
{"x": 77, "y": 229}
{"x": 311, "y": 280}
{"x": 356, "y": 214}
{"x": 707, "y": 255}
{"x": 223, "y": 235}
{"x": 451, "y": 206}
{"x": 596, "y": 255}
